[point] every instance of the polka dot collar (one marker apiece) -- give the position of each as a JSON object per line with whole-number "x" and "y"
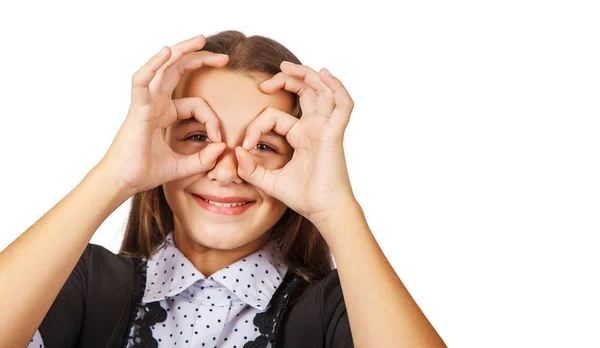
{"x": 252, "y": 279}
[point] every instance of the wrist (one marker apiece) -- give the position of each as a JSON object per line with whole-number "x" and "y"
{"x": 344, "y": 226}
{"x": 347, "y": 209}
{"x": 111, "y": 183}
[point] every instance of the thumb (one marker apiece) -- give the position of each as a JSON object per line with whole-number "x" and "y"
{"x": 253, "y": 172}
{"x": 201, "y": 161}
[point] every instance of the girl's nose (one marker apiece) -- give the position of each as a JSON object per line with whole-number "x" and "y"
{"x": 225, "y": 170}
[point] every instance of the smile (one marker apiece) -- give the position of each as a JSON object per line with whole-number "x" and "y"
{"x": 223, "y": 208}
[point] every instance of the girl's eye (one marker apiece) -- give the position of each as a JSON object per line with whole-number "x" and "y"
{"x": 268, "y": 148}
{"x": 261, "y": 146}
{"x": 201, "y": 136}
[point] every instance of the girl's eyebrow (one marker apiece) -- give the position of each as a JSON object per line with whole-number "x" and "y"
{"x": 181, "y": 123}
{"x": 277, "y": 135}
{"x": 192, "y": 120}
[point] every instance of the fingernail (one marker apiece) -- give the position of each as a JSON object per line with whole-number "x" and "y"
{"x": 327, "y": 72}
{"x": 285, "y": 62}
{"x": 245, "y": 144}
{"x": 219, "y": 135}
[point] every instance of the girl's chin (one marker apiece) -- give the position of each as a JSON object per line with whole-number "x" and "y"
{"x": 220, "y": 237}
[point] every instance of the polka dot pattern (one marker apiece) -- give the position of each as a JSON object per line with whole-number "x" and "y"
{"x": 214, "y": 311}
{"x": 36, "y": 341}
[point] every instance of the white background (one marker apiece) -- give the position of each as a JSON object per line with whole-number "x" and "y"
{"x": 473, "y": 146}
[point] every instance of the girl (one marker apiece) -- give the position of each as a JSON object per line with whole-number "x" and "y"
{"x": 226, "y": 245}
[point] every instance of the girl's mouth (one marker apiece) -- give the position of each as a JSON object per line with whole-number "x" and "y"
{"x": 223, "y": 208}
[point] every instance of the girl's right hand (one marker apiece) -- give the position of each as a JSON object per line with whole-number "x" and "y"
{"x": 139, "y": 157}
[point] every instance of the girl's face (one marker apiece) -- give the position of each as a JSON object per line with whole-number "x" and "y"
{"x": 236, "y": 100}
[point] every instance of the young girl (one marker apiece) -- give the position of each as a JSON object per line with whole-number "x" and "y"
{"x": 226, "y": 245}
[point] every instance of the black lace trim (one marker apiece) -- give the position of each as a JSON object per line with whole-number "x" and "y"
{"x": 153, "y": 313}
{"x": 139, "y": 283}
{"x": 268, "y": 322}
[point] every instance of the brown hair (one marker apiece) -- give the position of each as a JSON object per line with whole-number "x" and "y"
{"x": 302, "y": 247}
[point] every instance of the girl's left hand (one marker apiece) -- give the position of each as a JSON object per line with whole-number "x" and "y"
{"x": 315, "y": 182}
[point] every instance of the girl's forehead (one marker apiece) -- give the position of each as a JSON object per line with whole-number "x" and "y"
{"x": 232, "y": 93}
{"x": 234, "y": 97}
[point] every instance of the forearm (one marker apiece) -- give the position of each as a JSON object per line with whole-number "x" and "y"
{"x": 381, "y": 311}
{"x": 35, "y": 266}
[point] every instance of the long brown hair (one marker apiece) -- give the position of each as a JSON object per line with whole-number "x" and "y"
{"x": 302, "y": 247}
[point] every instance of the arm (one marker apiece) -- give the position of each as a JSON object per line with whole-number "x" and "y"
{"x": 380, "y": 310}
{"x": 50, "y": 250}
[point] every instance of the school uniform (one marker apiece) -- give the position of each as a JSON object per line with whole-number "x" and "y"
{"x": 114, "y": 301}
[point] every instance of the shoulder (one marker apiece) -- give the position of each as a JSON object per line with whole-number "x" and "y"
{"x": 94, "y": 291}
{"x": 100, "y": 269}
{"x": 326, "y": 298}
{"x": 101, "y": 259}
{"x": 318, "y": 317}
{"x": 103, "y": 265}
{"x": 96, "y": 257}
{"x": 109, "y": 286}
{"x": 109, "y": 279}
{"x": 329, "y": 288}
{"x": 323, "y": 296}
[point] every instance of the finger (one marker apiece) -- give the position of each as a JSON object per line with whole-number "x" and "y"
{"x": 178, "y": 50}
{"x": 307, "y": 74}
{"x": 343, "y": 101}
{"x": 140, "y": 81}
{"x": 190, "y": 61}
{"x": 254, "y": 173}
{"x": 269, "y": 119}
{"x": 325, "y": 101}
{"x": 171, "y": 72}
{"x": 308, "y": 96}
{"x": 198, "y": 162}
{"x": 183, "y": 47}
{"x": 197, "y": 108}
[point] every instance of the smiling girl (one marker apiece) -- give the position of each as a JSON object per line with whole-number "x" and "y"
{"x": 233, "y": 153}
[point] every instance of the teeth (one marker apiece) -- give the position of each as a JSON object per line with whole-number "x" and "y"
{"x": 226, "y": 205}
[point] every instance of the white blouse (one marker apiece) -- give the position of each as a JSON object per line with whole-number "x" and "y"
{"x": 217, "y": 311}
